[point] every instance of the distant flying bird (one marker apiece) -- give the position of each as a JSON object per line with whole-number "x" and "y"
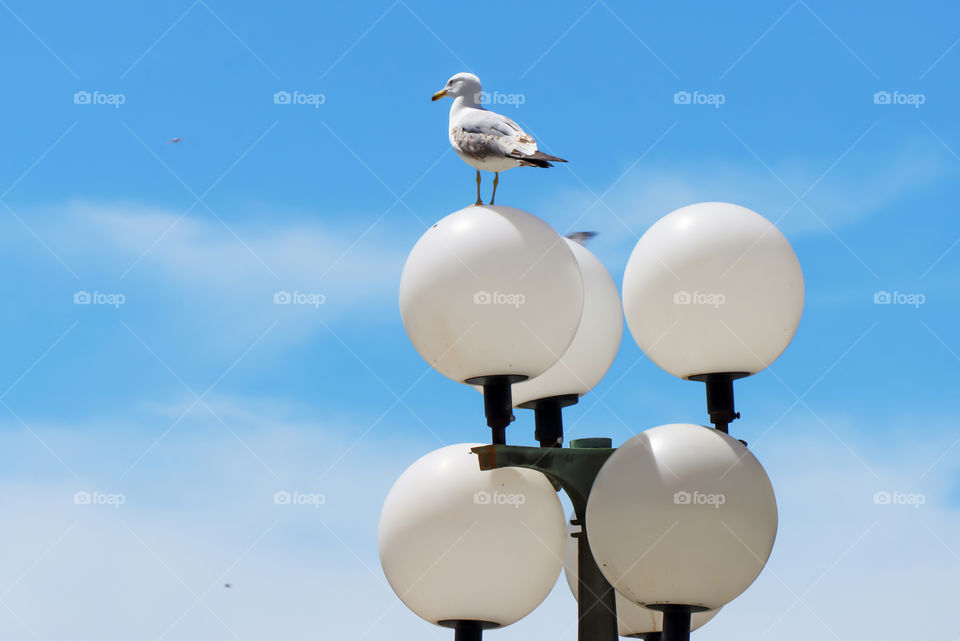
{"x": 581, "y": 236}
{"x": 173, "y": 140}
{"x": 227, "y": 585}
{"x": 484, "y": 139}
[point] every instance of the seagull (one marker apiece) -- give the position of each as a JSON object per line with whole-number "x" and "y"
{"x": 581, "y": 237}
{"x": 484, "y": 139}
{"x": 173, "y": 140}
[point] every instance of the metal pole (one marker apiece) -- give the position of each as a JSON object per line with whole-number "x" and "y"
{"x": 497, "y": 403}
{"x": 720, "y": 405}
{"x": 574, "y": 469}
{"x": 596, "y": 598}
{"x": 468, "y": 631}
{"x": 676, "y": 623}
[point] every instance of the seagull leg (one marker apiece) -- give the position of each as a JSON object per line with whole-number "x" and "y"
{"x": 496, "y": 179}
{"x": 479, "y": 202}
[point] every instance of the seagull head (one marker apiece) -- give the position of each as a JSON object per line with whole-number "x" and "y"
{"x": 462, "y": 84}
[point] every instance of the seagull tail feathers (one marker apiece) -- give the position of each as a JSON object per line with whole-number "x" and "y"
{"x": 540, "y": 159}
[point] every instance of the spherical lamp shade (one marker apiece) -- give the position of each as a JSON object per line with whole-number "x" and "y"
{"x": 491, "y": 291}
{"x": 711, "y": 288}
{"x": 681, "y": 514}
{"x": 595, "y": 344}
{"x": 460, "y": 544}
{"x": 632, "y": 619}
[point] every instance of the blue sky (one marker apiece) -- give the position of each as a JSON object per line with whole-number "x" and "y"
{"x": 197, "y": 398}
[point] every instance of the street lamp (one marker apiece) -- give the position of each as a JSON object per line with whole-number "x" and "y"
{"x": 678, "y": 520}
{"x": 467, "y": 549}
{"x": 682, "y": 520}
{"x": 491, "y": 296}
{"x": 713, "y": 292}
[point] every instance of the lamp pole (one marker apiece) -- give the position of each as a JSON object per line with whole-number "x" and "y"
{"x": 573, "y": 469}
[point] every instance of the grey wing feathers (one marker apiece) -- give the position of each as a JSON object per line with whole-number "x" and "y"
{"x": 491, "y": 125}
{"x": 483, "y": 127}
{"x": 581, "y": 236}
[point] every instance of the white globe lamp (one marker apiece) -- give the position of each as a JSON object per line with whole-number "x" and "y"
{"x": 681, "y": 515}
{"x": 491, "y": 295}
{"x": 713, "y": 292}
{"x": 467, "y": 549}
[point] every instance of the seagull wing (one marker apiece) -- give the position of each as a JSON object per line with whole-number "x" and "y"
{"x": 483, "y": 134}
{"x": 581, "y": 236}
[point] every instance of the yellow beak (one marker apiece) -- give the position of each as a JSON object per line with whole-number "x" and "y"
{"x": 440, "y": 94}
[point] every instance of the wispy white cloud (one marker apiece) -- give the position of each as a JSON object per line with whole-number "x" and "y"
{"x": 222, "y": 278}
{"x": 202, "y": 513}
{"x": 861, "y": 185}
{"x": 197, "y": 251}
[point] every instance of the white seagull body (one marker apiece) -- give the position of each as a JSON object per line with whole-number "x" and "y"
{"x": 486, "y": 140}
